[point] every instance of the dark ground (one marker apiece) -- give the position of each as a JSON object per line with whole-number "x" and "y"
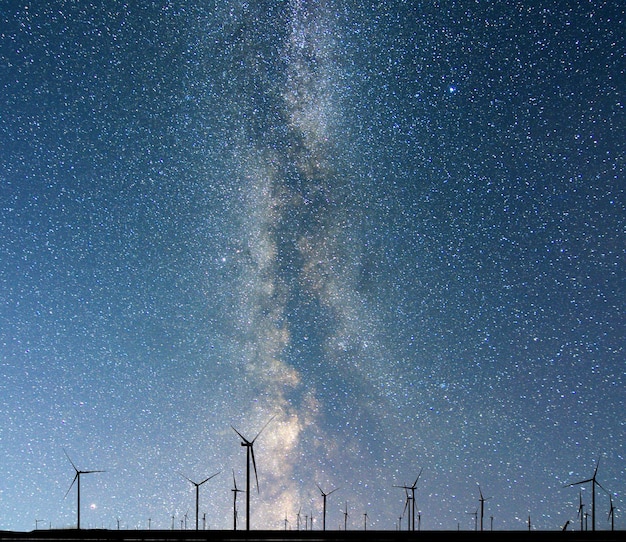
{"x": 276, "y": 536}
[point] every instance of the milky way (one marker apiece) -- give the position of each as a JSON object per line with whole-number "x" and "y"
{"x": 394, "y": 230}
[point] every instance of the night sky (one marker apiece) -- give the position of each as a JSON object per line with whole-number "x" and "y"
{"x": 397, "y": 227}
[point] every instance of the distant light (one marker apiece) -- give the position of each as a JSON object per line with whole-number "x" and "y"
{"x": 451, "y": 89}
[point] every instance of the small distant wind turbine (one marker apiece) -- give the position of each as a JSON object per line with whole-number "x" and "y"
{"x": 324, "y": 495}
{"x": 235, "y": 490}
{"x": 581, "y": 509}
{"x": 298, "y": 516}
{"x": 77, "y": 480}
{"x": 482, "y": 507}
{"x": 197, "y": 485}
{"x": 611, "y": 514}
{"x": 249, "y": 444}
{"x": 594, "y": 483}
{"x": 365, "y": 521}
{"x": 345, "y": 518}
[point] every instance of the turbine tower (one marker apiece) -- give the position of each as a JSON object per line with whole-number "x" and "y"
{"x": 249, "y": 444}
{"x": 198, "y": 484}
{"x": 324, "y": 495}
{"x": 77, "y": 480}
{"x": 594, "y": 483}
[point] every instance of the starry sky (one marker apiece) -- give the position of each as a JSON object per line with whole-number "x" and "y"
{"x": 397, "y": 228}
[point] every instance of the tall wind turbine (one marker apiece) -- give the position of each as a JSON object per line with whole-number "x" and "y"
{"x": 235, "y": 490}
{"x": 482, "y": 507}
{"x": 412, "y": 488}
{"x": 77, "y": 480}
{"x": 249, "y": 444}
{"x": 594, "y": 483}
{"x": 198, "y": 484}
{"x": 324, "y": 495}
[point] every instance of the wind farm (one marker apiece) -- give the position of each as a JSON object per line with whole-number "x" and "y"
{"x": 604, "y": 508}
{"x": 290, "y": 528}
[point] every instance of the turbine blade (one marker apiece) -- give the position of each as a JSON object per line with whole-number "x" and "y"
{"x": 418, "y": 477}
{"x": 188, "y": 479}
{"x": 254, "y": 465}
{"x": 207, "y": 479}
{"x": 70, "y": 459}
{"x": 596, "y": 470}
{"x": 318, "y": 487}
{"x": 242, "y": 437}
{"x": 336, "y": 489}
{"x": 72, "y": 484}
{"x": 263, "y": 428}
{"x": 579, "y": 483}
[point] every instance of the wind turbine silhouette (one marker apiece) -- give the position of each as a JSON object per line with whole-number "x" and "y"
{"x": 198, "y": 484}
{"x": 594, "y": 483}
{"x": 249, "y": 444}
{"x": 324, "y": 495}
{"x": 77, "y": 480}
{"x": 482, "y": 507}
{"x": 581, "y": 508}
{"x": 412, "y": 488}
{"x": 611, "y": 513}
{"x": 345, "y": 518}
{"x": 235, "y": 490}
{"x": 298, "y": 518}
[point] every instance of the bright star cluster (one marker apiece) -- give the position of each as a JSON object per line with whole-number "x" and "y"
{"x": 394, "y": 230}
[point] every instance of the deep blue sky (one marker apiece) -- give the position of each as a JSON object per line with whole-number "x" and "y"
{"x": 398, "y": 227}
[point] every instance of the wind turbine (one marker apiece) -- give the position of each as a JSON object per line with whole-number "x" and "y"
{"x": 594, "y": 483}
{"x": 324, "y": 495}
{"x": 412, "y": 488}
{"x": 249, "y": 444}
{"x": 581, "y": 508}
{"x": 198, "y": 484}
{"x": 77, "y": 480}
{"x": 345, "y": 518}
{"x": 235, "y": 490}
{"x": 298, "y": 516}
{"x": 611, "y": 514}
{"x": 365, "y": 521}
{"x": 482, "y": 507}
